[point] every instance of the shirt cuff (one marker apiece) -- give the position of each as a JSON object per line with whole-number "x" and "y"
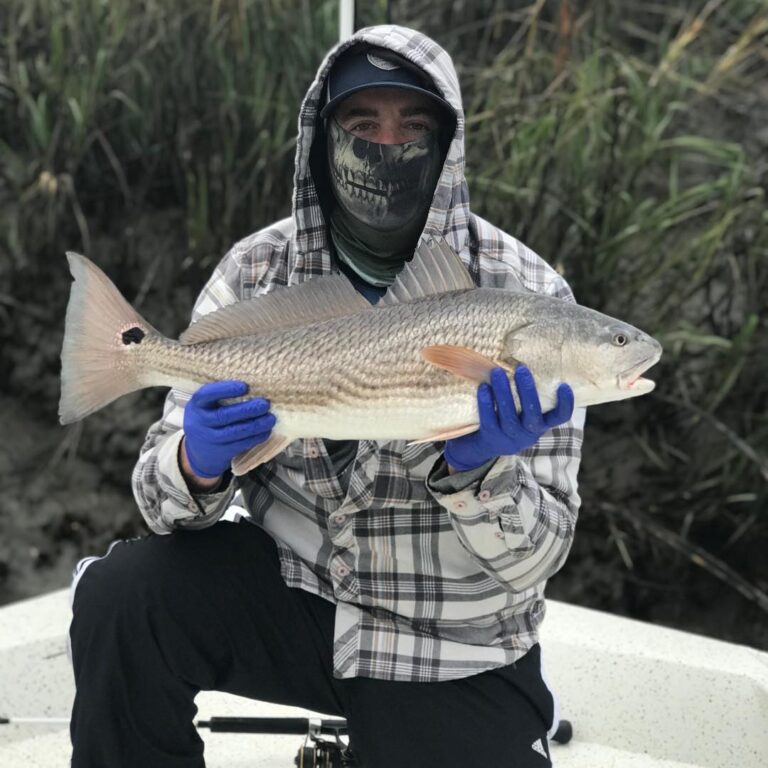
{"x": 441, "y": 481}
{"x": 195, "y": 504}
{"x": 485, "y": 493}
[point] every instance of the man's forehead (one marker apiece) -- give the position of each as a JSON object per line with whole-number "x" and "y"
{"x": 374, "y": 99}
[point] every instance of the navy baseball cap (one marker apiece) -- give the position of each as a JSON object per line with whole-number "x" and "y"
{"x": 371, "y": 67}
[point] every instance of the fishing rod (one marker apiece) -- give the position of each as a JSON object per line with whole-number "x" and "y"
{"x": 348, "y": 17}
{"x": 34, "y": 720}
{"x": 322, "y": 748}
{"x": 274, "y": 725}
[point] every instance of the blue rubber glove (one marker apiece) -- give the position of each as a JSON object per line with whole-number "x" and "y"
{"x": 215, "y": 433}
{"x": 504, "y": 432}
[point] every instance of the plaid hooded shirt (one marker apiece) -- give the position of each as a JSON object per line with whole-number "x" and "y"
{"x": 434, "y": 577}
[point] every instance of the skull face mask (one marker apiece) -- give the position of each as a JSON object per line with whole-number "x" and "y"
{"x": 387, "y": 187}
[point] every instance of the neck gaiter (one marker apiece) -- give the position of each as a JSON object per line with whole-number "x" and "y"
{"x": 383, "y": 193}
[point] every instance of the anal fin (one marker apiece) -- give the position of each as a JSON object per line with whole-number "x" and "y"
{"x": 259, "y": 454}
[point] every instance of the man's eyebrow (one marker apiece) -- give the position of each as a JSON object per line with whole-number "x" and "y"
{"x": 359, "y": 112}
{"x": 371, "y": 112}
{"x": 420, "y": 110}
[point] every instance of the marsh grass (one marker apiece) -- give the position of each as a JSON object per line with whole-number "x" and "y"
{"x": 625, "y": 142}
{"x": 122, "y": 104}
{"x": 618, "y": 140}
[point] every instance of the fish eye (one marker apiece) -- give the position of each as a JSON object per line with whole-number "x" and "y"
{"x": 620, "y": 339}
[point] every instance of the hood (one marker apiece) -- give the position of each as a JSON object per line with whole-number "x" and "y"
{"x": 449, "y": 213}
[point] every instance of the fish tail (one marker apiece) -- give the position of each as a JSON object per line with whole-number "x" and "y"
{"x": 101, "y": 353}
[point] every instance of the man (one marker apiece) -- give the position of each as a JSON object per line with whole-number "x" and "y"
{"x": 398, "y": 586}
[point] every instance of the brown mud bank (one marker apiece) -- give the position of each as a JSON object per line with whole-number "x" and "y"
{"x": 55, "y": 507}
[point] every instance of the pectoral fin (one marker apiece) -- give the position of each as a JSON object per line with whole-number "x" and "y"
{"x": 462, "y": 362}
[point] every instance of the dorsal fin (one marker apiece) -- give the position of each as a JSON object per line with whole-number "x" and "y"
{"x": 320, "y": 298}
{"x": 435, "y": 268}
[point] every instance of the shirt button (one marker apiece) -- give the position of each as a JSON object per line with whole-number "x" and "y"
{"x": 313, "y": 452}
{"x": 342, "y": 571}
{"x": 499, "y": 534}
{"x": 460, "y": 504}
{"x": 338, "y": 519}
{"x": 484, "y": 495}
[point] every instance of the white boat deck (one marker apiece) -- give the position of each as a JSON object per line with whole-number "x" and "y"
{"x": 638, "y": 696}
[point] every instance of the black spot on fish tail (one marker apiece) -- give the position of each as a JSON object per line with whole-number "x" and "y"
{"x": 133, "y": 336}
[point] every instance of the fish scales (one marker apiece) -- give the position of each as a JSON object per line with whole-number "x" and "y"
{"x": 355, "y": 368}
{"x": 374, "y": 352}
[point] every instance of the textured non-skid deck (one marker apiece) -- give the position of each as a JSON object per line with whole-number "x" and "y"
{"x": 638, "y": 696}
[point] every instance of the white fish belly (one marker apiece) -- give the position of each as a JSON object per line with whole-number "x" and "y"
{"x": 379, "y": 420}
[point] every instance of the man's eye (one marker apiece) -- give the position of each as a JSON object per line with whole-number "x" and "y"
{"x": 420, "y": 127}
{"x": 364, "y": 126}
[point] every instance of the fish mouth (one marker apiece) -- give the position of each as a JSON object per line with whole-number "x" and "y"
{"x": 631, "y": 377}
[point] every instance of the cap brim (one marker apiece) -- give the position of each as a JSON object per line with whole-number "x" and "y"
{"x": 333, "y": 103}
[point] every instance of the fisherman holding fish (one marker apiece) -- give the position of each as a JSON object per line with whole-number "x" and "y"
{"x": 406, "y": 503}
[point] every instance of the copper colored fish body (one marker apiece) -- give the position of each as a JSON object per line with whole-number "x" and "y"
{"x": 333, "y": 366}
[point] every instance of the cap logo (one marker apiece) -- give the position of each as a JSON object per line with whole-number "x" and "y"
{"x": 380, "y": 63}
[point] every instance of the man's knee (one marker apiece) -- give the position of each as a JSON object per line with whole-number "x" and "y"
{"x": 154, "y": 571}
{"x": 110, "y": 584}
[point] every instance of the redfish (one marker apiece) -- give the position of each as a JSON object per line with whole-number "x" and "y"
{"x": 334, "y": 366}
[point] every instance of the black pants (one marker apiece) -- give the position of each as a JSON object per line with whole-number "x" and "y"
{"x": 161, "y": 618}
